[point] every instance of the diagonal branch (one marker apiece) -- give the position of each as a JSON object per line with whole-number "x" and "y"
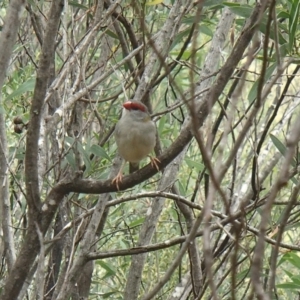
{"x": 95, "y": 187}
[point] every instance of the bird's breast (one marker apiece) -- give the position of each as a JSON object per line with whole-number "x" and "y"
{"x": 136, "y": 141}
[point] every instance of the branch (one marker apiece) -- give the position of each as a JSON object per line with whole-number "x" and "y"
{"x": 7, "y": 41}
{"x": 31, "y": 245}
{"x": 33, "y": 133}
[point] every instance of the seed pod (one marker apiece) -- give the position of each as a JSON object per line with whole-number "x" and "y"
{"x": 17, "y": 120}
{"x": 18, "y": 128}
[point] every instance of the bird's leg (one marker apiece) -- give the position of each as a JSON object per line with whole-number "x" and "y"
{"x": 154, "y": 162}
{"x": 118, "y": 179}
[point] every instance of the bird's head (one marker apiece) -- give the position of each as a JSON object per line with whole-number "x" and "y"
{"x": 136, "y": 110}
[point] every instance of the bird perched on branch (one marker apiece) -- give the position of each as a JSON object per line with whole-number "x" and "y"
{"x": 135, "y": 136}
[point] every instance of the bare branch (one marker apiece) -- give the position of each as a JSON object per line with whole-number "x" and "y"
{"x": 7, "y": 41}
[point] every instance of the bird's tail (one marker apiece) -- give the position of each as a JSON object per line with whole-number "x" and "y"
{"x": 133, "y": 167}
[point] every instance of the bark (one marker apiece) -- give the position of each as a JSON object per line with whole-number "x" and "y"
{"x": 7, "y": 41}
{"x": 31, "y": 245}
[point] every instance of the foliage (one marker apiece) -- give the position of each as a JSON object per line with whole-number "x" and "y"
{"x": 220, "y": 220}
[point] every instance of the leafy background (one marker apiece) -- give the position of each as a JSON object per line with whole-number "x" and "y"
{"x": 221, "y": 219}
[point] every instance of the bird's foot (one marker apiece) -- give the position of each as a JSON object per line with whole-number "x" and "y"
{"x": 154, "y": 162}
{"x": 117, "y": 180}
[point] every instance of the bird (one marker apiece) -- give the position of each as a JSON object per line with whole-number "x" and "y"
{"x": 135, "y": 135}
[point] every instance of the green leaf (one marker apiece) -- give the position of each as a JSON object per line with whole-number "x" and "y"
{"x": 78, "y": 5}
{"x": 281, "y": 147}
{"x": 243, "y": 274}
{"x": 117, "y": 209}
{"x": 190, "y": 21}
{"x": 283, "y": 14}
{"x": 179, "y": 37}
{"x": 161, "y": 124}
{"x": 294, "y": 180}
{"x": 244, "y": 11}
{"x": 110, "y": 270}
{"x": 206, "y": 30}
{"x": 69, "y": 140}
{"x": 283, "y": 50}
{"x": 107, "y": 295}
{"x": 288, "y": 285}
{"x": 181, "y": 188}
{"x": 277, "y": 143}
{"x": 111, "y": 34}
{"x": 286, "y": 271}
{"x": 154, "y": 2}
{"x": 231, "y": 4}
{"x": 137, "y": 222}
{"x": 85, "y": 153}
{"x": 281, "y": 39}
{"x": 85, "y": 156}
{"x": 27, "y": 86}
{"x": 212, "y": 2}
{"x": 253, "y": 92}
{"x": 71, "y": 159}
{"x": 192, "y": 164}
{"x": 100, "y": 152}
{"x": 106, "y": 266}
{"x": 293, "y": 22}
{"x": 294, "y": 259}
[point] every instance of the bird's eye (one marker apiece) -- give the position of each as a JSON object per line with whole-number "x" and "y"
{"x": 134, "y": 108}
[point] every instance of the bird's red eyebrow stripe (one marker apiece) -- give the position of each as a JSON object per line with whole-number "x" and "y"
{"x": 133, "y": 105}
